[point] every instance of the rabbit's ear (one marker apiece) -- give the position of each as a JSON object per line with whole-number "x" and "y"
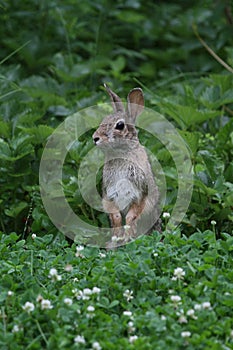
{"x": 116, "y": 101}
{"x": 135, "y": 104}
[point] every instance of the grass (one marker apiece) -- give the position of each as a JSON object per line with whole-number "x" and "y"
{"x": 163, "y": 292}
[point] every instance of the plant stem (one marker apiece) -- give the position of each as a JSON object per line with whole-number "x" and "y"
{"x": 216, "y": 57}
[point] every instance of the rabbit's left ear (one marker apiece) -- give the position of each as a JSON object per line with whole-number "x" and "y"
{"x": 116, "y": 101}
{"x": 135, "y": 104}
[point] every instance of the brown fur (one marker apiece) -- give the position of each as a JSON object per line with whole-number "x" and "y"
{"x": 130, "y": 195}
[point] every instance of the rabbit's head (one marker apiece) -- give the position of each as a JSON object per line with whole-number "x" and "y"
{"x": 119, "y": 127}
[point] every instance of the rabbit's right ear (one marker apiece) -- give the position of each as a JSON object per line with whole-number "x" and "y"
{"x": 135, "y": 104}
{"x": 116, "y": 101}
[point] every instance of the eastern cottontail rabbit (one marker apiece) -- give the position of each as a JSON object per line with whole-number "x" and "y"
{"x": 130, "y": 195}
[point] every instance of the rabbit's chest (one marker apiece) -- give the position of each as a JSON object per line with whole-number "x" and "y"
{"x": 122, "y": 184}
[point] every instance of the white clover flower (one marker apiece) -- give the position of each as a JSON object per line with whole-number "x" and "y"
{"x": 128, "y": 294}
{"x": 213, "y": 222}
{"x": 114, "y": 239}
{"x": 155, "y": 254}
{"x": 191, "y": 313}
{"x": 96, "y": 346}
{"x": 206, "y": 305}
{"x": 54, "y": 275}
{"x": 73, "y": 180}
{"x": 179, "y": 274}
{"x": 182, "y": 319}
{"x": 166, "y": 215}
{"x": 75, "y": 279}
{"x": 87, "y": 292}
{"x": 79, "y": 249}
{"x": 28, "y": 307}
{"x": 83, "y": 295}
{"x": 68, "y": 268}
{"x": 185, "y": 334}
{"x": 52, "y": 272}
{"x": 90, "y": 308}
{"x": 96, "y": 290}
{"x": 10, "y": 293}
{"x": 34, "y": 236}
{"x": 197, "y": 307}
{"x": 79, "y": 339}
{"x": 175, "y": 299}
{"x": 131, "y": 328}
{"x": 16, "y": 329}
{"x": 102, "y": 255}
{"x": 68, "y": 301}
{"x": 127, "y": 313}
{"x": 78, "y": 294}
{"x": 132, "y": 338}
{"x": 163, "y": 317}
{"x": 46, "y": 304}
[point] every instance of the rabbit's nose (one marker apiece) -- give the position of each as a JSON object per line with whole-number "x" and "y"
{"x": 96, "y": 139}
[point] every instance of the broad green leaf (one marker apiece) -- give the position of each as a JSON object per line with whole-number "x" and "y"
{"x": 119, "y": 64}
{"x": 187, "y": 116}
{"x": 5, "y": 151}
{"x": 40, "y": 133}
{"x": 192, "y": 139}
{"x": 224, "y": 81}
{"x": 224, "y": 133}
{"x": 214, "y": 166}
{"x": 211, "y": 98}
{"x": 4, "y": 129}
{"x": 16, "y": 209}
{"x": 207, "y": 190}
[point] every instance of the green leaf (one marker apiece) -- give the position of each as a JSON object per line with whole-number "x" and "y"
{"x": 118, "y": 65}
{"x": 5, "y": 151}
{"x": 4, "y": 129}
{"x": 187, "y": 116}
{"x": 211, "y": 98}
{"x": 224, "y": 133}
{"x": 214, "y": 166}
{"x": 224, "y": 81}
{"x": 201, "y": 186}
{"x": 40, "y": 133}
{"x": 16, "y": 209}
{"x": 114, "y": 303}
{"x": 191, "y": 139}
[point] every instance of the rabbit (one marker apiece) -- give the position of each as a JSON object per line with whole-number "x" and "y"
{"x": 129, "y": 193}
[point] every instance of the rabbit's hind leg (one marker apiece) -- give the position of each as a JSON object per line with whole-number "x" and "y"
{"x": 132, "y": 218}
{"x": 116, "y": 223}
{"x": 114, "y": 216}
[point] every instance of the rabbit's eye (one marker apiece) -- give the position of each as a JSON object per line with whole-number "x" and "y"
{"x": 120, "y": 125}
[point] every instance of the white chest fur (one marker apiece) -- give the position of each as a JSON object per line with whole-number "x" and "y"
{"x": 122, "y": 191}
